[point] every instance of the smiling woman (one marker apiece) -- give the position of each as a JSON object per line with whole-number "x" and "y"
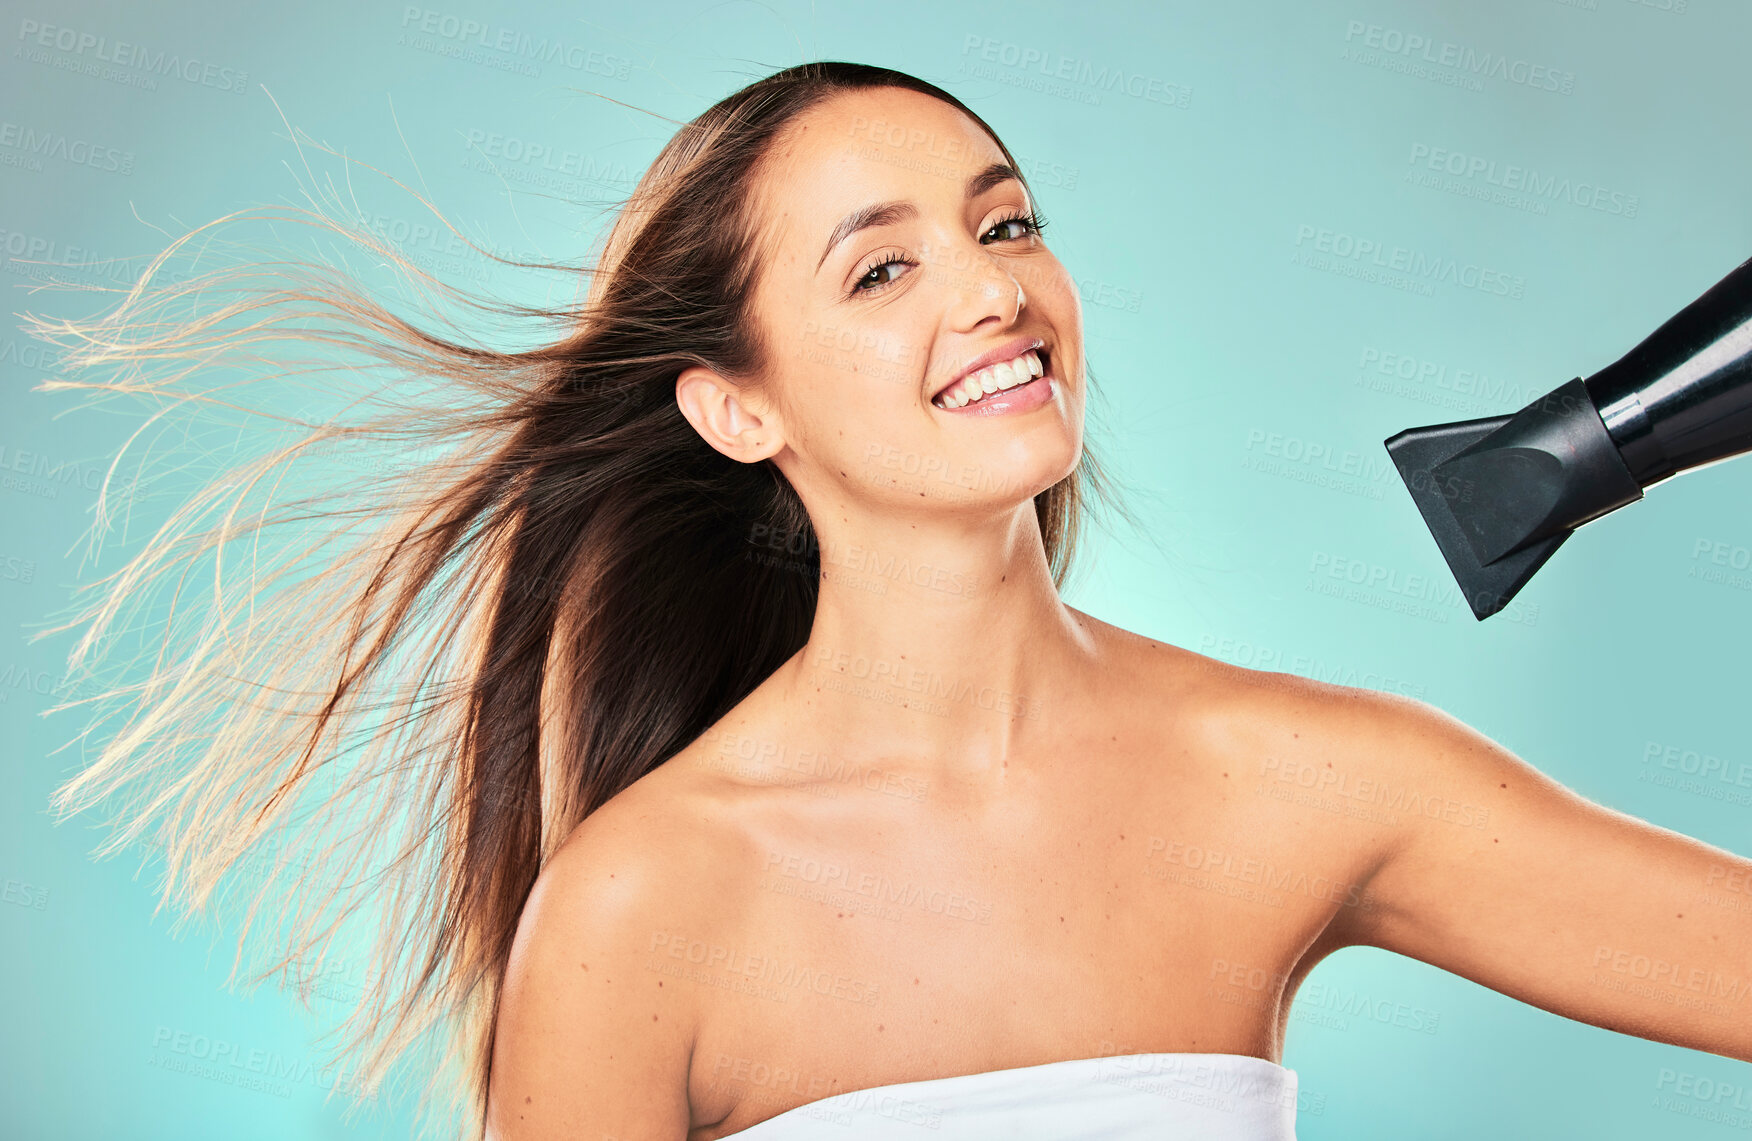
{"x": 685, "y": 839}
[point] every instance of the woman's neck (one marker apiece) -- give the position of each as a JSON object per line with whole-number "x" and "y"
{"x": 944, "y": 639}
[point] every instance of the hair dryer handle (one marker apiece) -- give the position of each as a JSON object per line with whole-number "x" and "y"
{"x": 1683, "y": 397}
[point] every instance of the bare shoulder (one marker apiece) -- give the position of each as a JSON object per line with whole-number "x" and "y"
{"x": 1284, "y": 710}
{"x": 1335, "y": 768}
{"x": 1364, "y": 747}
{"x": 1226, "y": 699}
{"x": 1409, "y": 793}
{"x": 593, "y": 1034}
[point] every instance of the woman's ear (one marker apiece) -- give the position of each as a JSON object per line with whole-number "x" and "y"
{"x": 733, "y": 420}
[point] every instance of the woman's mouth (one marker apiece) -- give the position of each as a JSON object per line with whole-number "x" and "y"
{"x": 1023, "y": 382}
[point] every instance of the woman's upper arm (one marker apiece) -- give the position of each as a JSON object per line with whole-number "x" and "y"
{"x": 593, "y": 1043}
{"x": 1499, "y": 874}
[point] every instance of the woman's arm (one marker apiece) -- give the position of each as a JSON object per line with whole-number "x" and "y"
{"x": 1499, "y": 874}
{"x": 592, "y": 1043}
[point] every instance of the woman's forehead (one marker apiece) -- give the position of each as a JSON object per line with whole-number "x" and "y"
{"x": 860, "y": 147}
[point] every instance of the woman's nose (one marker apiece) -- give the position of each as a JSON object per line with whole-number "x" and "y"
{"x": 982, "y": 286}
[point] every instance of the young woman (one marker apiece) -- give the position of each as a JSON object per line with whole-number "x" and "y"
{"x": 772, "y": 791}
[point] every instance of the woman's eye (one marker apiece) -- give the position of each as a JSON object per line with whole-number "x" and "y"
{"x": 1014, "y": 228}
{"x": 883, "y": 273}
{"x": 877, "y": 275}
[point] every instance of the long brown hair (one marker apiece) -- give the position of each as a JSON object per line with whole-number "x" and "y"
{"x": 408, "y": 688}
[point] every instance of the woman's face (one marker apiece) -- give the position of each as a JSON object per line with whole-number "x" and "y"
{"x": 900, "y": 259}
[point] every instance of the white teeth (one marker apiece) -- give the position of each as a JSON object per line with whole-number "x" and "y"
{"x": 1006, "y": 374}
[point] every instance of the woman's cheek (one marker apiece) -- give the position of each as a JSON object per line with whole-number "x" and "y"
{"x": 1062, "y": 287}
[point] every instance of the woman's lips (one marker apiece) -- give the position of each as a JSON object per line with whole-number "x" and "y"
{"x": 1005, "y": 353}
{"x": 1022, "y": 398}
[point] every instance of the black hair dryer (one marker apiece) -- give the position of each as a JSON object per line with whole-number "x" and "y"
{"x": 1500, "y": 494}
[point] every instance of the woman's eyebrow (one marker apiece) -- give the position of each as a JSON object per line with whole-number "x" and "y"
{"x": 887, "y": 213}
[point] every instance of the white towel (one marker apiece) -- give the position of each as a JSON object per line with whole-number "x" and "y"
{"x": 1127, "y": 1097}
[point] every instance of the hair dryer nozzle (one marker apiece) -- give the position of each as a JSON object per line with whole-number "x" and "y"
{"x": 1417, "y": 452}
{"x": 1501, "y": 494}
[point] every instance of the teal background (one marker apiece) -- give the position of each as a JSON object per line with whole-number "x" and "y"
{"x": 1236, "y": 361}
